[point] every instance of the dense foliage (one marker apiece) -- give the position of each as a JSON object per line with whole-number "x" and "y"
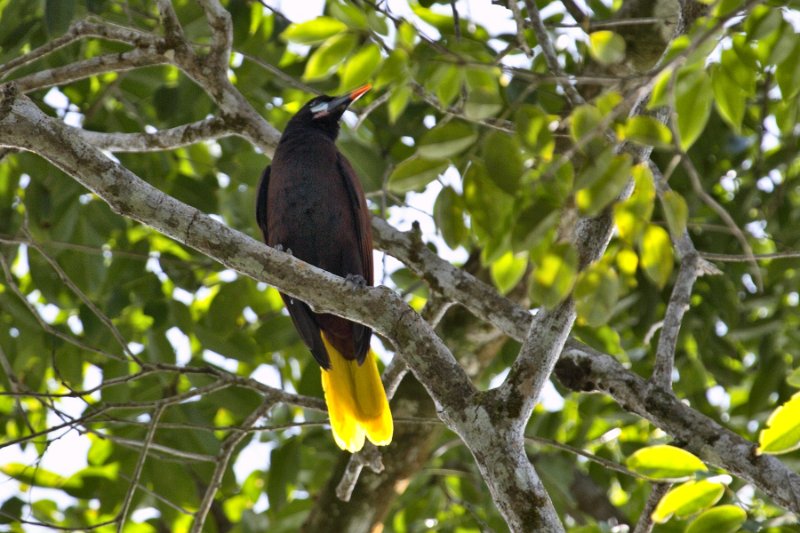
{"x": 147, "y": 355}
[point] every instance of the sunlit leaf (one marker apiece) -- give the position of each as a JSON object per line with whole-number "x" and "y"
{"x": 328, "y": 56}
{"x": 645, "y": 130}
{"x": 607, "y": 47}
{"x": 313, "y": 31}
{"x": 782, "y": 434}
{"x": 596, "y": 293}
{"x": 676, "y": 212}
{"x": 656, "y": 256}
{"x": 687, "y": 499}
{"x": 722, "y": 519}
{"x": 360, "y": 67}
{"x": 665, "y": 462}
{"x": 606, "y": 187}
{"x": 554, "y": 275}
{"x": 508, "y": 271}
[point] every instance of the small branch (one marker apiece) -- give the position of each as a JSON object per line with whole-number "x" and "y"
{"x": 731, "y": 258}
{"x": 549, "y": 52}
{"x": 137, "y": 472}
{"x": 85, "y": 299}
{"x": 123, "y": 62}
{"x": 697, "y": 186}
{"x": 219, "y": 20}
{"x": 77, "y": 31}
{"x": 234, "y": 438}
{"x": 677, "y": 307}
{"x": 203, "y": 130}
{"x": 523, "y": 42}
{"x": 577, "y": 13}
{"x": 645, "y": 523}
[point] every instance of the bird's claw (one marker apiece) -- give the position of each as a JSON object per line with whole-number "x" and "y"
{"x": 356, "y": 280}
{"x": 280, "y": 248}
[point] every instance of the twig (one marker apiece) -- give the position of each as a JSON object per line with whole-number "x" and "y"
{"x": 229, "y": 445}
{"x": 523, "y": 42}
{"x": 91, "y": 67}
{"x": 83, "y": 298}
{"x": 77, "y": 31}
{"x": 732, "y": 258}
{"x": 137, "y": 472}
{"x": 645, "y": 523}
{"x": 549, "y": 52}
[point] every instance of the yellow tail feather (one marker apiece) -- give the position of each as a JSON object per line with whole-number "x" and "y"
{"x": 357, "y": 403}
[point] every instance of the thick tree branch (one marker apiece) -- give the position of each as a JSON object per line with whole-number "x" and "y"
{"x": 204, "y": 130}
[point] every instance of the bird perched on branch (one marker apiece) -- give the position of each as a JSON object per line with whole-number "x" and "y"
{"x": 311, "y": 204}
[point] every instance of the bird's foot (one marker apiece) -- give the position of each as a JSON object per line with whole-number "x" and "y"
{"x": 356, "y": 280}
{"x": 280, "y": 248}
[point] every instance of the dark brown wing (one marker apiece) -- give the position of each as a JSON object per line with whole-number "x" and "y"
{"x": 261, "y": 203}
{"x": 361, "y": 215}
{"x": 361, "y": 334}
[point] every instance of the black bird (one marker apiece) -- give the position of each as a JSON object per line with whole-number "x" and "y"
{"x": 311, "y": 203}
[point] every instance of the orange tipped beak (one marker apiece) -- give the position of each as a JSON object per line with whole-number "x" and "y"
{"x": 358, "y": 93}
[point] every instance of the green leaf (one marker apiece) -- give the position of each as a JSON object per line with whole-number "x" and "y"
{"x": 584, "y": 120}
{"x": 742, "y": 74}
{"x": 693, "y": 99}
{"x": 665, "y": 462}
{"x": 722, "y": 519}
{"x": 794, "y": 378}
{"x": 328, "y": 56}
{"x": 398, "y": 102}
{"x": 554, "y": 275}
{"x": 448, "y": 212}
{"x": 502, "y": 156}
{"x": 283, "y": 472}
{"x": 728, "y": 98}
{"x": 596, "y": 293}
{"x": 394, "y": 69}
{"x": 58, "y": 16}
{"x": 508, "y": 270}
{"x": 675, "y": 211}
{"x": 633, "y": 215}
{"x": 532, "y": 225}
{"x": 314, "y": 31}
{"x": 687, "y": 499}
{"x": 447, "y": 82}
{"x": 415, "y": 173}
{"x": 645, "y": 130}
{"x": 39, "y": 477}
{"x": 533, "y": 129}
{"x": 603, "y": 190}
{"x": 360, "y": 67}
{"x": 445, "y": 140}
{"x": 482, "y": 103}
{"x": 782, "y": 434}
{"x": 788, "y": 74}
{"x": 349, "y": 14}
{"x": 655, "y": 252}
{"x": 607, "y": 47}
{"x": 660, "y": 95}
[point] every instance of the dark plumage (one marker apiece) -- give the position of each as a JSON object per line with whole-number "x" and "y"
{"x": 311, "y": 202}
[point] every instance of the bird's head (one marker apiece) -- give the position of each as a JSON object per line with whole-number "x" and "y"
{"x": 324, "y": 112}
